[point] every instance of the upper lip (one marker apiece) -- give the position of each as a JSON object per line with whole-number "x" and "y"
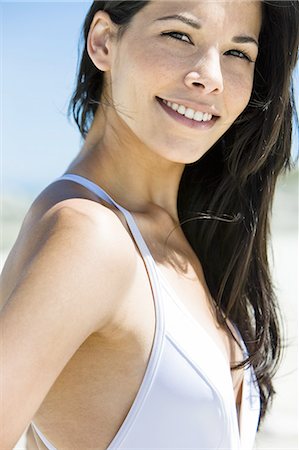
{"x": 202, "y": 107}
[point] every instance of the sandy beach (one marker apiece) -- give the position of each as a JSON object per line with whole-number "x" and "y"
{"x": 279, "y": 431}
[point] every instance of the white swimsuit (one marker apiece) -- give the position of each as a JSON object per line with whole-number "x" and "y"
{"x": 186, "y": 398}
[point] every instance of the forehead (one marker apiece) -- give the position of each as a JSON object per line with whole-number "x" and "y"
{"x": 242, "y": 15}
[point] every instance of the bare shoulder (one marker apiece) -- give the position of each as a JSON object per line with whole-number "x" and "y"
{"x": 68, "y": 226}
{"x": 74, "y": 264}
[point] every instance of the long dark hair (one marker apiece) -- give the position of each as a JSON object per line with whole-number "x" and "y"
{"x": 235, "y": 178}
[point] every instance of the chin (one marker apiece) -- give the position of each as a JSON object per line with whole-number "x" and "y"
{"x": 184, "y": 157}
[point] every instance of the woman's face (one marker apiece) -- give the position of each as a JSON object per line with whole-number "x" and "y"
{"x": 202, "y": 60}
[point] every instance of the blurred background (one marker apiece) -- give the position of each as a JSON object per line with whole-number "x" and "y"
{"x": 39, "y": 43}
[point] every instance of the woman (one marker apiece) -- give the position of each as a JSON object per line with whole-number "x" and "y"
{"x": 138, "y": 304}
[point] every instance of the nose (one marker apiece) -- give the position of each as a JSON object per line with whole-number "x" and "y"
{"x": 206, "y": 75}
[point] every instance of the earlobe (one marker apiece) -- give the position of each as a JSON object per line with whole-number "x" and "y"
{"x": 99, "y": 41}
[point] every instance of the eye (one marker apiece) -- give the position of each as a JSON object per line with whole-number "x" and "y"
{"x": 177, "y": 35}
{"x": 239, "y": 54}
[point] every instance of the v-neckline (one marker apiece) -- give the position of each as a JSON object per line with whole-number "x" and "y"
{"x": 101, "y": 193}
{"x": 225, "y": 362}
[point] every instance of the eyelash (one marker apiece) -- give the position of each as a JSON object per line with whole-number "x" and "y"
{"x": 244, "y": 55}
{"x": 170, "y": 35}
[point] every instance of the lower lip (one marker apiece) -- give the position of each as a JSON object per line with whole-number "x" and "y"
{"x": 185, "y": 121}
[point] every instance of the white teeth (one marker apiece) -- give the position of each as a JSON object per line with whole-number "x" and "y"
{"x": 189, "y": 112}
{"x": 198, "y": 116}
{"x": 181, "y": 109}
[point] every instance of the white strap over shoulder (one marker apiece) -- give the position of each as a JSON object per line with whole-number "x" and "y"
{"x": 102, "y": 194}
{"x": 143, "y": 248}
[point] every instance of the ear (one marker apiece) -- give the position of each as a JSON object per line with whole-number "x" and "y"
{"x": 99, "y": 41}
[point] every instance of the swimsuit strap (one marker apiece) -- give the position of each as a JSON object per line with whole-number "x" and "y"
{"x": 143, "y": 248}
{"x": 103, "y": 194}
{"x": 158, "y": 341}
{"x": 43, "y": 438}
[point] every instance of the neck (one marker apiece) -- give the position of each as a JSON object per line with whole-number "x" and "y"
{"x": 135, "y": 176}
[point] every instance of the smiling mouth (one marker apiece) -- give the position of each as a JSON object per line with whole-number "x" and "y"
{"x": 188, "y": 116}
{"x": 198, "y": 116}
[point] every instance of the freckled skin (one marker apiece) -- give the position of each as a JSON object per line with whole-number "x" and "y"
{"x": 137, "y": 153}
{"x": 158, "y": 66}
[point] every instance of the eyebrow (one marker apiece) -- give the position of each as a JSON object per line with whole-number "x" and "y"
{"x": 191, "y": 22}
{"x": 244, "y": 39}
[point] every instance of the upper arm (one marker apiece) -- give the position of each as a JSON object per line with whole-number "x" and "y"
{"x": 70, "y": 287}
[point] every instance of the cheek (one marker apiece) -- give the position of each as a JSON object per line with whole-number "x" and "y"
{"x": 153, "y": 62}
{"x": 148, "y": 69}
{"x": 125, "y": 93}
{"x": 154, "y": 71}
{"x": 238, "y": 87}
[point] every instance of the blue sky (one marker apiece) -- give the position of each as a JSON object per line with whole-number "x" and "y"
{"x": 39, "y": 58}
{"x": 38, "y": 63}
